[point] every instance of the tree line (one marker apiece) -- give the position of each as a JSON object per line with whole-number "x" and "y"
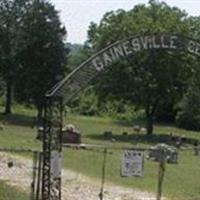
{"x": 163, "y": 85}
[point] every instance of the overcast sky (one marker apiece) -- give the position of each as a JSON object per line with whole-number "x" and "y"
{"x": 76, "y": 15}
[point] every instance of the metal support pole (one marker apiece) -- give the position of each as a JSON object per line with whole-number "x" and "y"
{"x": 46, "y": 169}
{"x": 103, "y": 174}
{"x": 52, "y": 148}
{"x": 38, "y": 187}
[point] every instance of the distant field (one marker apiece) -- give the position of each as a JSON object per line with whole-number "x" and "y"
{"x": 182, "y": 180}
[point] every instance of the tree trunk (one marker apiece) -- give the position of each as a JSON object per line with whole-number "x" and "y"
{"x": 149, "y": 124}
{"x": 39, "y": 114}
{"x": 40, "y": 110}
{"x": 8, "y": 109}
{"x": 150, "y": 111}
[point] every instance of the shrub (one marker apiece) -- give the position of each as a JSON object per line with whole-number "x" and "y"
{"x": 188, "y": 116}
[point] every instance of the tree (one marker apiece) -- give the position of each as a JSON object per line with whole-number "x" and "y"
{"x": 194, "y": 25}
{"x": 150, "y": 78}
{"x": 188, "y": 116}
{"x": 77, "y": 55}
{"x": 11, "y": 12}
{"x": 43, "y": 53}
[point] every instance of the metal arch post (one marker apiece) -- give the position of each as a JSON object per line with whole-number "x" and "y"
{"x": 52, "y": 145}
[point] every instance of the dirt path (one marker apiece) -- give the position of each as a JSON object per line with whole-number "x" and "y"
{"x": 79, "y": 187}
{"x": 75, "y": 186}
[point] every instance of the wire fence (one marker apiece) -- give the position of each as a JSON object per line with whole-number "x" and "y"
{"x": 99, "y": 172}
{"x": 19, "y": 174}
{"x": 157, "y": 173}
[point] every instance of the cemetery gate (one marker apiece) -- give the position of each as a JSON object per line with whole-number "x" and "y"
{"x": 65, "y": 90}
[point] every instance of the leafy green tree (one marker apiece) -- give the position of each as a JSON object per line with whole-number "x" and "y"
{"x": 188, "y": 116}
{"x": 43, "y": 53}
{"x": 77, "y": 55}
{"x": 152, "y": 78}
{"x": 86, "y": 103}
{"x": 194, "y": 25}
{"x": 11, "y": 20}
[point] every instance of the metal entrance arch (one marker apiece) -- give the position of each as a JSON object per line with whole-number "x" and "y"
{"x": 66, "y": 89}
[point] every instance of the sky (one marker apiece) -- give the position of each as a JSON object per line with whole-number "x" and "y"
{"x": 77, "y": 15}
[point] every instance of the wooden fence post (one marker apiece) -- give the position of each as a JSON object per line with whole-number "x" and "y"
{"x": 161, "y": 173}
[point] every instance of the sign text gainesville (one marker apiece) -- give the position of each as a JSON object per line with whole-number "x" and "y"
{"x": 128, "y": 47}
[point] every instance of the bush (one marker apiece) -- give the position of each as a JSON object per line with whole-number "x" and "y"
{"x": 188, "y": 121}
{"x": 86, "y": 103}
{"x": 188, "y": 116}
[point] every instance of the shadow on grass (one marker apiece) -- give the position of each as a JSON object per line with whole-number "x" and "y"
{"x": 142, "y": 123}
{"x": 135, "y": 138}
{"x": 130, "y": 123}
{"x": 17, "y": 119}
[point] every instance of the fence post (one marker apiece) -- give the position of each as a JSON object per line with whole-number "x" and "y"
{"x": 103, "y": 174}
{"x": 161, "y": 173}
{"x": 38, "y": 187}
{"x": 35, "y": 162}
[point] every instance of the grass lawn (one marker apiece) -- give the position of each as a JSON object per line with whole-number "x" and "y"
{"x": 11, "y": 193}
{"x": 182, "y": 180}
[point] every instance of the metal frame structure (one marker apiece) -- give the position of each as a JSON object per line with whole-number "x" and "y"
{"x": 51, "y": 186}
{"x": 65, "y": 90}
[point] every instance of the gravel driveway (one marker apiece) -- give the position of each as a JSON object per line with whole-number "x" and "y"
{"x": 75, "y": 186}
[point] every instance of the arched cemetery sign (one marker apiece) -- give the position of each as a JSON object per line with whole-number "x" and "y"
{"x": 130, "y": 46}
{"x": 117, "y": 51}
{"x": 80, "y": 78}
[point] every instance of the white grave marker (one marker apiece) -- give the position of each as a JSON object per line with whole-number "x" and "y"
{"x": 132, "y": 163}
{"x": 56, "y": 164}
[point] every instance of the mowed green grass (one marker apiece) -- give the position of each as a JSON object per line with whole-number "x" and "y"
{"x": 8, "y": 192}
{"x": 18, "y": 131}
{"x": 181, "y": 182}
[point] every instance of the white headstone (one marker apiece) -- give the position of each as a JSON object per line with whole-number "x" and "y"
{"x": 56, "y": 164}
{"x": 132, "y": 163}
